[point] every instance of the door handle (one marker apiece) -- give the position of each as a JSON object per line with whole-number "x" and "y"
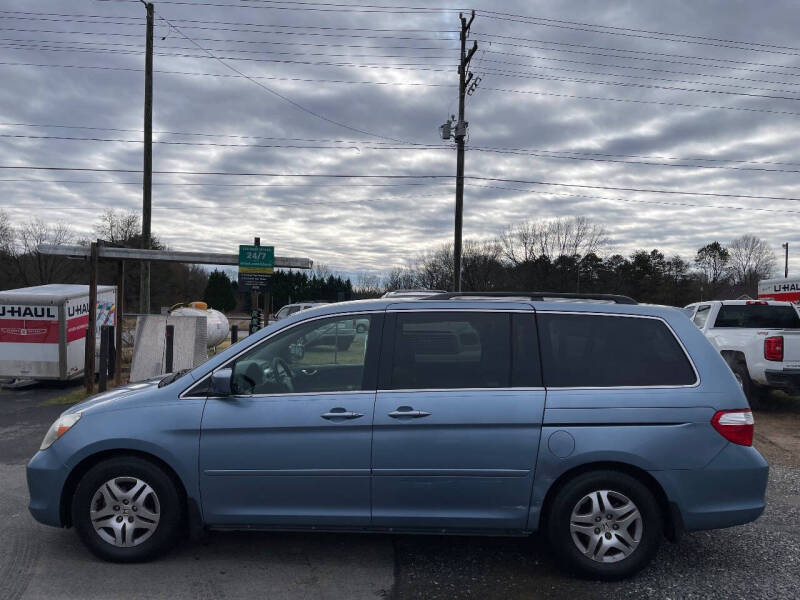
{"x": 340, "y": 413}
{"x": 406, "y": 412}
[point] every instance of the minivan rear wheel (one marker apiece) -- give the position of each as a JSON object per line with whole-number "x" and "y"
{"x": 605, "y": 525}
{"x": 126, "y": 509}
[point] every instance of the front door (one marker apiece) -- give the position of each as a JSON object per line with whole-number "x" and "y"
{"x": 291, "y": 447}
{"x": 457, "y": 420}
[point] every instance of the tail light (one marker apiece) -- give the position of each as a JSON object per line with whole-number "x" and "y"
{"x": 735, "y": 425}
{"x": 773, "y": 348}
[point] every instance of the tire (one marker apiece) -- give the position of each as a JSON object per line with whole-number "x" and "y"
{"x": 612, "y": 557}
{"x": 751, "y": 391}
{"x": 112, "y": 488}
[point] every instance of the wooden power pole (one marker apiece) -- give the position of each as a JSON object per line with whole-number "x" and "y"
{"x": 147, "y": 169}
{"x": 460, "y": 135}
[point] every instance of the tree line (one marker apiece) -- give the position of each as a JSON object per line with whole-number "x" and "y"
{"x": 558, "y": 255}
{"x": 575, "y": 255}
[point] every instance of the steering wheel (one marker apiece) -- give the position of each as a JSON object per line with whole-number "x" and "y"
{"x": 283, "y": 373}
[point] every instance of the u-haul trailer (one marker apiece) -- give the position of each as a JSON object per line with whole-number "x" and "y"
{"x": 43, "y": 329}
{"x": 787, "y": 289}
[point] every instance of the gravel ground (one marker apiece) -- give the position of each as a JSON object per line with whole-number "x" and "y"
{"x": 759, "y": 560}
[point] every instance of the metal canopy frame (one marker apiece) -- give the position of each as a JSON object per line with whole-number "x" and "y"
{"x": 199, "y": 258}
{"x": 100, "y": 250}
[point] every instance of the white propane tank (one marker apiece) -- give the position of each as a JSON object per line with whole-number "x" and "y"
{"x": 216, "y": 322}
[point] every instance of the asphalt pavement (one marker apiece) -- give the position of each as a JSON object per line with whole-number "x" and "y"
{"x": 760, "y": 560}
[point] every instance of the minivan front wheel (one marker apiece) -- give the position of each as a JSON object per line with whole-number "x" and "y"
{"x": 126, "y": 509}
{"x": 605, "y": 524}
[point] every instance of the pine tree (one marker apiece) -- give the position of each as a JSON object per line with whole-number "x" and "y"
{"x": 219, "y": 292}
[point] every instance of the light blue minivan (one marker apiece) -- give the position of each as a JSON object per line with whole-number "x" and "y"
{"x": 605, "y": 424}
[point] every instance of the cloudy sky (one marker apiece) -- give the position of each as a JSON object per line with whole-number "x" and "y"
{"x": 609, "y": 100}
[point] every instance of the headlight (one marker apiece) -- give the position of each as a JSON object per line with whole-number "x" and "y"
{"x": 59, "y": 428}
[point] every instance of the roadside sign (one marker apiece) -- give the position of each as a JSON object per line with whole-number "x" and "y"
{"x": 256, "y": 264}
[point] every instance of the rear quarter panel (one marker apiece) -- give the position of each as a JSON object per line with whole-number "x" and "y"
{"x": 650, "y": 428}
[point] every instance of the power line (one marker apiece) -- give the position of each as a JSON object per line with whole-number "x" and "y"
{"x": 345, "y": 145}
{"x": 636, "y": 201}
{"x": 636, "y": 101}
{"x": 421, "y": 66}
{"x": 342, "y": 146}
{"x": 630, "y": 162}
{"x": 502, "y": 73}
{"x": 627, "y": 189}
{"x": 633, "y": 35}
{"x": 498, "y": 15}
{"x": 650, "y": 78}
{"x": 269, "y": 90}
{"x": 612, "y": 27}
{"x": 424, "y": 176}
{"x": 495, "y": 71}
{"x": 632, "y": 52}
{"x": 505, "y": 90}
{"x": 259, "y": 31}
{"x": 652, "y": 69}
{"x": 228, "y": 185}
{"x": 237, "y": 23}
{"x": 222, "y": 173}
{"x": 225, "y": 75}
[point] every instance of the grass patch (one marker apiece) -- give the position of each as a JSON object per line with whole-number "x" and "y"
{"x": 72, "y": 397}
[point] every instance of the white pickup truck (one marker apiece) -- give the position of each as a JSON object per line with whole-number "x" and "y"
{"x": 759, "y": 339}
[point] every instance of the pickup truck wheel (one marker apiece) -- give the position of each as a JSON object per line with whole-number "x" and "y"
{"x": 605, "y": 525}
{"x": 751, "y": 391}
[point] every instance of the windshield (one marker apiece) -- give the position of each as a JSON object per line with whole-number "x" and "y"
{"x": 758, "y": 316}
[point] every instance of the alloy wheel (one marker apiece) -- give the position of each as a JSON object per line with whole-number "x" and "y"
{"x": 125, "y": 511}
{"x": 606, "y": 526}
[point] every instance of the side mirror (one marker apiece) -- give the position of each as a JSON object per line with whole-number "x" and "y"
{"x": 221, "y": 382}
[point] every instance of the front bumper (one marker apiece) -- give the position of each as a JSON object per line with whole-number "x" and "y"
{"x": 788, "y": 379}
{"x": 46, "y": 474}
{"x": 729, "y": 491}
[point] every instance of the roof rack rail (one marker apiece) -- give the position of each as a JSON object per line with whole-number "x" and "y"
{"x": 539, "y": 296}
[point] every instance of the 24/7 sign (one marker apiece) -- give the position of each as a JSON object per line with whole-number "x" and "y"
{"x": 256, "y": 264}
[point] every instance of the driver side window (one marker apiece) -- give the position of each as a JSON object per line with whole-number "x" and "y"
{"x": 323, "y": 355}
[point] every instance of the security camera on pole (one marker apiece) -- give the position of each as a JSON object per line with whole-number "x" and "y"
{"x": 459, "y": 132}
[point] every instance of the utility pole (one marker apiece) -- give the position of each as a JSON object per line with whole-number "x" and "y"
{"x": 786, "y": 261}
{"x": 464, "y": 79}
{"x": 147, "y": 169}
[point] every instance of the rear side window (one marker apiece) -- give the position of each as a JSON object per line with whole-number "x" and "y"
{"x": 449, "y": 350}
{"x": 609, "y": 351}
{"x": 701, "y": 316}
{"x": 757, "y": 316}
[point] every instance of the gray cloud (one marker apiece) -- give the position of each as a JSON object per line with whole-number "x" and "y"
{"x": 376, "y": 227}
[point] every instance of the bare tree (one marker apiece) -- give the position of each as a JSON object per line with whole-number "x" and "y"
{"x": 368, "y": 285}
{"x": 519, "y": 242}
{"x": 751, "y": 259}
{"x": 6, "y": 234}
{"x": 434, "y": 269}
{"x": 33, "y": 266}
{"x": 401, "y": 278}
{"x": 573, "y": 236}
{"x": 118, "y": 227}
